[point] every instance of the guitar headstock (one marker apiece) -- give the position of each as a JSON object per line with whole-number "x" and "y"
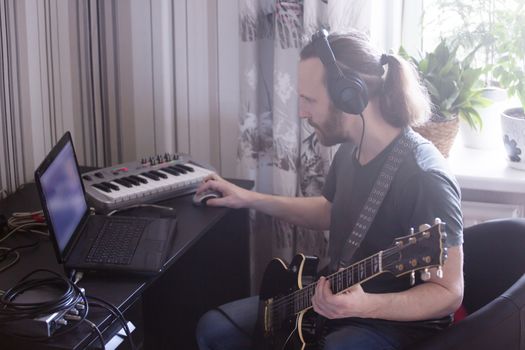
{"x": 420, "y": 250}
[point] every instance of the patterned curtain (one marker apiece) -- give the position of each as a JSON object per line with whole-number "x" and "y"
{"x": 276, "y": 149}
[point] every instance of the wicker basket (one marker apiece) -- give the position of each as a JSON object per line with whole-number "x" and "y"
{"x": 441, "y": 134}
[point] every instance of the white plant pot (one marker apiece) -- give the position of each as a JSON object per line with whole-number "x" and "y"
{"x": 488, "y": 136}
{"x": 513, "y": 131}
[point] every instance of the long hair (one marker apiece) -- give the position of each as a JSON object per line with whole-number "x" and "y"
{"x": 402, "y": 98}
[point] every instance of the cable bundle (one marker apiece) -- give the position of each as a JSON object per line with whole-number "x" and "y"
{"x": 24, "y": 221}
{"x": 69, "y": 295}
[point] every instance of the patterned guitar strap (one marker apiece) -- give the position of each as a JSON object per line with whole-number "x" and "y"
{"x": 404, "y": 144}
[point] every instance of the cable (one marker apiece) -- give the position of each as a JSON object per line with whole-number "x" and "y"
{"x": 8, "y": 250}
{"x": 99, "y": 334}
{"x": 362, "y": 137}
{"x": 11, "y": 263}
{"x": 117, "y": 314}
{"x": 27, "y": 220}
{"x": 23, "y": 227}
{"x": 140, "y": 206}
{"x": 235, "y": 324}
{"x": 11, "y": 311}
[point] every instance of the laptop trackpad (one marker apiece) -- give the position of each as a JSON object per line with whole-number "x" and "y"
{"x": 159, "y": 233}
{"x": 154, "y": 245}
{"x": 153, "y": 259}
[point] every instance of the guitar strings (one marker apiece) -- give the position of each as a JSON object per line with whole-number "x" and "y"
{"x": 288, "y": 301}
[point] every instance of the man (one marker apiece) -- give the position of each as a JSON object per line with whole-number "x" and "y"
{"x": 385, "y": 312}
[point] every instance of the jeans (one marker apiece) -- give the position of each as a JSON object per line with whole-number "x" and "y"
{"x": 216, "y": 332}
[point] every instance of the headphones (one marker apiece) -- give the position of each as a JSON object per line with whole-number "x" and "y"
{"x": 348, "y": 92}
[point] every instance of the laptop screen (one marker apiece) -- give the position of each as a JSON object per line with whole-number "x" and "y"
{"x": 63, "y": 195}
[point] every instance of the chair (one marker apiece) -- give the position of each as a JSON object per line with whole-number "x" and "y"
{"x": 494, "y": 290}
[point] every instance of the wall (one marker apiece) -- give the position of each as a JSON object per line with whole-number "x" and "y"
{"x": 128, "y": 78}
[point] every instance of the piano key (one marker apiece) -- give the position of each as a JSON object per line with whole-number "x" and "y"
{"x": 139, "y": 179}
{"x": 132, "y": 180}
{"x": 111, "y": 186}
{"x": 186, "y": 167}
{"x": 170, "y": 171}
{"x": 180, "y": 169}
{"x": 123, "y": 182}
{"x": 159, "y": 174}
{"x": 102, "y": 187}
{"x": 150, "y": 175}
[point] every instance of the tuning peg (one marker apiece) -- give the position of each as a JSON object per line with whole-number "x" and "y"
{"x": 423, "y": 227}
{"x": 425, "y": 275}
{"x": 412, "y": 278}
{"x": 440, "y": 272}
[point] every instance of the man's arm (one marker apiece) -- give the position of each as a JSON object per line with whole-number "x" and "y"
{"x": 435, "y": 298}
{"x": 309, "y": 212}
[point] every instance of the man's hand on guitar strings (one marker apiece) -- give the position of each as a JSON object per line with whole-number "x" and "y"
{"x": 352, "y": 303}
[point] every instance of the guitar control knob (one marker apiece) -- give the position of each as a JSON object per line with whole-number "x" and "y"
{"x": 425, "y": 275}
{"x": 440, "y": 272}
{"x": 412, "y": 278}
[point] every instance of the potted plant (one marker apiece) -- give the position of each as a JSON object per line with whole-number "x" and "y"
{"x": 470, "y": 24}
{"x": 453, "y": 88}
{"x": 509, "y": 70}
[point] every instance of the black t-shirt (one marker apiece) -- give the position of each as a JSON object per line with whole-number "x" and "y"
{"x": 421, "y": 190}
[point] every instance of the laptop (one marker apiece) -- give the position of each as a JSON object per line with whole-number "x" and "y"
{"x": 95, "y": 242}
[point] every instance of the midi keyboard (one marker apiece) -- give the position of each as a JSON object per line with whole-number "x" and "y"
{"x": 145, "y": 181}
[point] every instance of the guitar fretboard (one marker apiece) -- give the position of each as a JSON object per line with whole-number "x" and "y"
{"x": 339, "y": 281}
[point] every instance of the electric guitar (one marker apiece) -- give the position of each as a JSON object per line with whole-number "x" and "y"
{"x": 286, "y": 319}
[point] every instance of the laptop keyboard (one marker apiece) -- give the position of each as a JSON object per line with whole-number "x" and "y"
{"x": 117, "y": 241}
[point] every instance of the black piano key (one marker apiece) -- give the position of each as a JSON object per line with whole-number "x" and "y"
{"x": 150, "y": 176}
{"x": 123, "y": 183}
{"x": 133, "y": 181}
{"x": 175, "y": 171}
{"x": 170, "y": 171}
{"x": 112, "y": 186}
{"x": 139, "y": 179}
{"x": 186, "y": 167}
{"x": 102, "y": 187}
{"x": 159, "y": 174}
{"x": 180, "y": 169}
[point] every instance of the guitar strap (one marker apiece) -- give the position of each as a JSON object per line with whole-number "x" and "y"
{"x": 404, "y": 144}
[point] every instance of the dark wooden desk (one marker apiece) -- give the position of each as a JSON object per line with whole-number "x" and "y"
{"x": 209, "y": 265}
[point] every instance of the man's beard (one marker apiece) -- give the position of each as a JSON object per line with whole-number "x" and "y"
{"x": 330, "y": 133}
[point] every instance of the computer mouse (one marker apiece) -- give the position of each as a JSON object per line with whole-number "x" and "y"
{"x": 201, "y": 198}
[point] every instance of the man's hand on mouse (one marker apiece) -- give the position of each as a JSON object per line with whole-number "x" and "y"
{"x": 232, "y": 196}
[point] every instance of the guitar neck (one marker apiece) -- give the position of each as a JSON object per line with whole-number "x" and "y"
{"x": 340, "y": 281}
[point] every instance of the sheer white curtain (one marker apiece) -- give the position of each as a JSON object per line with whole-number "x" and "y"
{"x": 276, "y": 149}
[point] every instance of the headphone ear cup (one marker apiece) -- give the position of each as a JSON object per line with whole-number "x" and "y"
{"x": 348, "y": 93}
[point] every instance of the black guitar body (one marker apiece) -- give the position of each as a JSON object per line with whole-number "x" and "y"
{"x": 278, "y": 325}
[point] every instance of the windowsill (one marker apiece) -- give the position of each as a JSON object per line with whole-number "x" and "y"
{"x": 485, "y": 169}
